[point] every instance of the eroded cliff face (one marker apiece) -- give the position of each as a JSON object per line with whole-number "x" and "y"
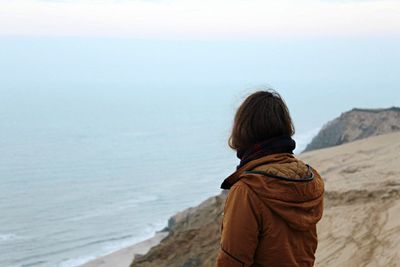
{"x": 193, "y": 238}
{"x": 361, "y": 222}
{"x": 355, "y": 125}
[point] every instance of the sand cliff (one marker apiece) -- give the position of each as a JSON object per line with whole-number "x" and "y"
{"x": 356, "y": 124}
{"x": 361, "y": 222}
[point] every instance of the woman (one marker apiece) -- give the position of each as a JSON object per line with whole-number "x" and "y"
{"x": 274, "y": 200}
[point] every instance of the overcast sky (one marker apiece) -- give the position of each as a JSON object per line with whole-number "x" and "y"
{"x": 325, "y": 57}
{"x": 200, "y": 19}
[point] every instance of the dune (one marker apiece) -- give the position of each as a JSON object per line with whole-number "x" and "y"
{"x": 361, "y": 222}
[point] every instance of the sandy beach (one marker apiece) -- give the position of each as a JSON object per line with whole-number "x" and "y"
{"x": 124, "y": 257}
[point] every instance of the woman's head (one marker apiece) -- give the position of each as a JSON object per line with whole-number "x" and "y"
{"x": 261, "y": 116}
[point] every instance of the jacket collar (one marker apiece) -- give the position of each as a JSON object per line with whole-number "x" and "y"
{"x": 275, "y": 145}
{"x": 234, "y": 177}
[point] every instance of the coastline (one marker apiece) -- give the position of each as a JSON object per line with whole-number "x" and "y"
{"x": 125, "y": 256}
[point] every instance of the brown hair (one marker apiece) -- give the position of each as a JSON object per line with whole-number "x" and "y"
{"x": 262, "y": 115}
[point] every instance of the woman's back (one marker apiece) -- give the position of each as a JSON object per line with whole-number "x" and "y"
{"x": 271, "y": 213}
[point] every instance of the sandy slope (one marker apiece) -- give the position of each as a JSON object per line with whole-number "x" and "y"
{"x": 361, "y": 224}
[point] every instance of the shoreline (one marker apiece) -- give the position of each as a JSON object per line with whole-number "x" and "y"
{"x": 125, "y": 256}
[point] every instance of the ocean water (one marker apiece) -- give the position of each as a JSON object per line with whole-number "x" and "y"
{"x": 86, "y": 172}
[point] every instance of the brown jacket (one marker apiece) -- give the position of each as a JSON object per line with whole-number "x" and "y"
{"x": 270, "y": 214}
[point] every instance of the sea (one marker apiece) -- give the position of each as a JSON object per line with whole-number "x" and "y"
{"x": 87, "y": 170}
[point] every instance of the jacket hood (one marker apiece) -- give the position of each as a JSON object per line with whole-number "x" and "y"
{"x": 288, "y": 187}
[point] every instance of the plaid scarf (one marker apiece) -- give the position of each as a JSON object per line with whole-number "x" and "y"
{"x": 281, "y": 144}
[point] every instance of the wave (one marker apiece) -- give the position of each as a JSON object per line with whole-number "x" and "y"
{"x": 112, "y": 245}
{"x": 9, "y": 237}
{"x": 71, "y": 248}
{"x": 114, "y": 208}
{"x": 77, "y": 261}
{"x": 36, "y": 263}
